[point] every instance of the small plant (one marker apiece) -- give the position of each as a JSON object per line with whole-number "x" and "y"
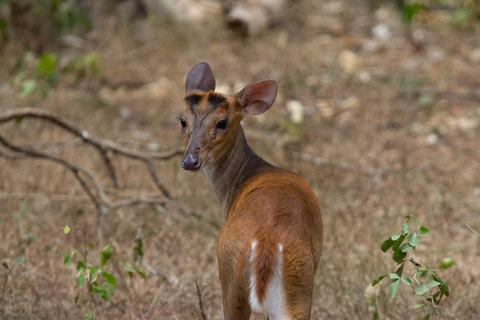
{"x": 90, "y": 276}
{"x": 423, "y": 280}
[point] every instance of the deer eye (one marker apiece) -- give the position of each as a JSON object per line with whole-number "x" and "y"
{"x": 222, "y": 124}
{"x": 183, "y": 122}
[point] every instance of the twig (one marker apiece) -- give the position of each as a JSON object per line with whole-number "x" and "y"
{"x": 139, "y": 257}
{"x": 471, "y": 229}
{"x": 199, "y": 293}
{"x": 5, "y": 278}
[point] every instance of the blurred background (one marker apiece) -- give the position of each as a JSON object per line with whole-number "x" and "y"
{"x": 378, "y": 109}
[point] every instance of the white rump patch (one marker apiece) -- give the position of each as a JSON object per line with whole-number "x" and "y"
{"x": 274, "y": 302}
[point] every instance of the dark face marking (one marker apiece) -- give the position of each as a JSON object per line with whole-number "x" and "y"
{"x": 193, "y": 100}
{"x": 215, "y": 100}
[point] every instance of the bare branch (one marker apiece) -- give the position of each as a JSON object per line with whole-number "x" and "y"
{"x": 475, "y": 232}
{"x": 199, "y": 293}
{"x": 102, "y": 146}
{"x": 86, "y": 178}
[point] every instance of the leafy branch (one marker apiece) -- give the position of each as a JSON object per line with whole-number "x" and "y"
{"x": 433, "y": 289}
{"x": 88, "y": 275}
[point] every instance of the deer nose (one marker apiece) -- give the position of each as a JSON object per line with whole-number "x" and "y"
{"x": 191, "y": 162}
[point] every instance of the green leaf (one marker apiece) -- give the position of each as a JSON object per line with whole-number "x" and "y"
{"x": 432, "y": 283}
{"x": 129, "y": 269}
{"x": 80, "y": 265}
{"x": 27, "y": 87}
{"x": 399, "y": 271}
{"x": 399, "y": 256}
{"x": 20, "y": 260}
{"x": 427, "y": 317}
{"x": 105, "y": 254}
{"x": 447, "y": 263}
{"x": 413, "y": 239}
{"x": 19, "y": 77}
{"x": 138, "y": 249}
{"x": 376, "y": 281}
{"x": 89, "y": 316}
{"x": 109, "y": 278}
{"x": 405, "y": 228}
{"x": 140, "y": 271}
{"x": 108, "y": 288}
{"x": 68, "y": 257}
{"x": 443, "y": 286}
{"x": 423, "y": 231}
{"x": 46, "y": 64}
{"x": 100, "y": 291}
{"x": 405, "y": 247}
{"x": 398, "y": 243}
{"x": 419, "y": 305}
{"x": 437, "y": 297}
{"x": 393, "y": 288}
{"x": 407, "y": 281}
{"x": 91, "y": 245}
{"x": 76, "y": 298}
{"x": 394, "y": 276}
{"x": 66, "y": 229}
{"x": 93, "y": 273}
{"x": 411, "y": 10}
{"x": 461, "y": 16}
{"x": 395, "y": 237}
{"x": 387, "y": 244}
{"x": 421, "y": 289}
{"x": 80, "y": 279}
{"x": 105, "y": 290}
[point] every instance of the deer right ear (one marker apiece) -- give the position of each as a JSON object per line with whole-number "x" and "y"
{"x": 200, "y": 78}
{"x": 258, "y": 97}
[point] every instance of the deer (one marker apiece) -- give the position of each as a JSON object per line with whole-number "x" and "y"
{"x": 270, "y": 245}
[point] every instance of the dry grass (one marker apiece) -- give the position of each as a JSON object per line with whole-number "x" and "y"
{"x": 386, "y": 129}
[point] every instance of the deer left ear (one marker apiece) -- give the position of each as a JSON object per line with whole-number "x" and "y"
{"x": 200, "y": 78}
{"x": 258, "y": 97}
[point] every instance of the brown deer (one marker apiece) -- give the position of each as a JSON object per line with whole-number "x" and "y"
{"x": 269, "y": 247}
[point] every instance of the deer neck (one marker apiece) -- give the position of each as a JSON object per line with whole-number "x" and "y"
{"x": 228, "y": 173}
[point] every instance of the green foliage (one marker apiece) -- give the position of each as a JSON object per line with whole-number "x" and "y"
{"x": 39, "y": 76}
{"x": 20, "y": 260}
{"x": 94, "y": 278}
{"x": 65, "y": 15}
{"x": 433, "y": 289}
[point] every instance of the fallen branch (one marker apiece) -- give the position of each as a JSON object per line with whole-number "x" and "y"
{"x": 97, "y": 194}
{"x": 104, "y": 147}
{"x": 199, "y": 293}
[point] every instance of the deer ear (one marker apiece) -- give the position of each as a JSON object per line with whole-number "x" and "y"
{"x": 258, "y": 97}
{"x": 200, "y": 78}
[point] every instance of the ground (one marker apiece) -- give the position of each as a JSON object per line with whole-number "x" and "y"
{"x": 390, "y": 128}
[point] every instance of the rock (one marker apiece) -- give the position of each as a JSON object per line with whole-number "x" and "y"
{"x": 432, "y": 139}
{"x": 295, "y": 108}
{"x": 381, "y": 31}
{"x": 349, "y": 61}
{"x": 254, "y": 15}
{"x": 475, "y": 55}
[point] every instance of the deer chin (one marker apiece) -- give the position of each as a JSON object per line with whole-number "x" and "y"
{"x": 208, "y": 162}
